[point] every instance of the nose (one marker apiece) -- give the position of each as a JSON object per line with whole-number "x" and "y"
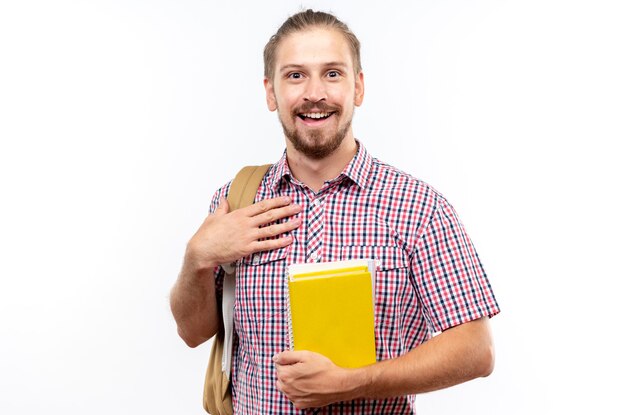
{"x": 315, "y": 90}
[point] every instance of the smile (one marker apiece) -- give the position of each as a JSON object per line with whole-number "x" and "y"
{"x": 315, "y": 115}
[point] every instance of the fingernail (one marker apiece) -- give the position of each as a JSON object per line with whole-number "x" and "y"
{"x": 287, "y": 199}
{"x": 275, "y": 357}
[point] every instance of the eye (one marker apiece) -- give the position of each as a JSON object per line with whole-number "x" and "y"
{"x": 333, "y": 74}
{"x": 294, "y": 75}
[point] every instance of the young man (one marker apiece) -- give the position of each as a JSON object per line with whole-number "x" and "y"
{"x": 327, "y": 199}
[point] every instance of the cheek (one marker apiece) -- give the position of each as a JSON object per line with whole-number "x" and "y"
{"x": 343, "y": 96}
{"x": 286, "y": 102}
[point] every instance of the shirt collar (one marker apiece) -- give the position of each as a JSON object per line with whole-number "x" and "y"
{"x": 358, "y": 170}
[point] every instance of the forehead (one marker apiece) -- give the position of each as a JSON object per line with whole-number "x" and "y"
{"x": 315, "y": 46}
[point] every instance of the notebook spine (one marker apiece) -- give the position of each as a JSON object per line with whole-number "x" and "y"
{"x": 288, "y": 301}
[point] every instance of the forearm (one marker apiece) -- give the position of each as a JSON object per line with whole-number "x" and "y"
{"x": 455, "y": 356}
{"x": 193, "y": 303}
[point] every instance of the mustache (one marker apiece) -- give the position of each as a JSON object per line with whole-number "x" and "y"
{"x": 315, "y": 107}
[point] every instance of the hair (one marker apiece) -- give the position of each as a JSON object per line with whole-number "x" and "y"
{"x": 309, "y": 19}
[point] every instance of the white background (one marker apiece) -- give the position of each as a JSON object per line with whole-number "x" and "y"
{"x": 119, "y": 119}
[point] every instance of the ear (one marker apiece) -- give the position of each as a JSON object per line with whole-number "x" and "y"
{"x": 270, "y": 96}
{"x": 359, "y": 89}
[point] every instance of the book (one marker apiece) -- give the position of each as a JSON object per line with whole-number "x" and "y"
{"x": 331, "y": 310}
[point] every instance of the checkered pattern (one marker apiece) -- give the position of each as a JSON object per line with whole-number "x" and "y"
{"x": 428, "y": 278}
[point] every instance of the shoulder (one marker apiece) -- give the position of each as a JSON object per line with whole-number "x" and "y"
{"x": 220, "y": 193}
{"x": 398, "y": 184}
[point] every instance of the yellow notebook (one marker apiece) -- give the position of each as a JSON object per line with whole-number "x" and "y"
{"x": 332, "y": 310}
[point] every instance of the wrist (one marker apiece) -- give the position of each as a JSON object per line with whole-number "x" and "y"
{"x": 198, "y": 262}
{"x": 359, "y": 382}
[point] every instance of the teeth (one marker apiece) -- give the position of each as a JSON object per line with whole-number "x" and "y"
{"x": 317, "y": 115}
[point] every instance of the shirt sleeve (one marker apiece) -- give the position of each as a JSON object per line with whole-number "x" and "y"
{"x": 450, "y": 278}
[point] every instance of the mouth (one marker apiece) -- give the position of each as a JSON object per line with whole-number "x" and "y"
{"x": 315, "y": 118}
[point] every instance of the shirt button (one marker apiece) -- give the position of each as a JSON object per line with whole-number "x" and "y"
{"x": 255, "y": 260}
{"x": 317, "y": 203}
{"x": 314, "y": 256}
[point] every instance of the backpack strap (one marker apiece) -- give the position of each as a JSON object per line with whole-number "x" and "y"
{"x": 242, "y": 191}
{"x": 245, "y": 185}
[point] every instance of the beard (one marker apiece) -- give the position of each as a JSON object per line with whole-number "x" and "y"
{"x": 315, "y": 144}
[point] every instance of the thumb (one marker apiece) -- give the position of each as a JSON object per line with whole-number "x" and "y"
{"x": 223, "y": 207}
{"x": 288, "y": 357}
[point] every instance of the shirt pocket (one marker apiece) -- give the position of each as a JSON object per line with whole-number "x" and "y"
{"x": 260, "y": 304}
{"x": 265, "y": 257}
{"x": 392, "y": 287}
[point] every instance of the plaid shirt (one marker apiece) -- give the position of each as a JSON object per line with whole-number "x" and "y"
{"x": 428, "y": 276}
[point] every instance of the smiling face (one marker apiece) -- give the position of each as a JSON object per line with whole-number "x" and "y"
{"x": 315, "y": 90}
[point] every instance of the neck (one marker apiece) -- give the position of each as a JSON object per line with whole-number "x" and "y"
{"x": 313, "y": 172}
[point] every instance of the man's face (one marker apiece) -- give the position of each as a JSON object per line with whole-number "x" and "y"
{"x": 315, "y": 90}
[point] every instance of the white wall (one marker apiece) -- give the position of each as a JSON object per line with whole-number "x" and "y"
{"x": 118, "y": 120}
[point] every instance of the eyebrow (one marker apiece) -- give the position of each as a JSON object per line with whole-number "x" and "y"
{"x": 336, "y": 64}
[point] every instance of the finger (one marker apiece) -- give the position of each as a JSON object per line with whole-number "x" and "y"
{"x": 266, "y": 205}
{"x": 223, "y": 207}
{"x": 275, "y": 214}
{"x": 288, "y": 357}
{"x": 271, "y": 244}
{"x": 278, "y": 229}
